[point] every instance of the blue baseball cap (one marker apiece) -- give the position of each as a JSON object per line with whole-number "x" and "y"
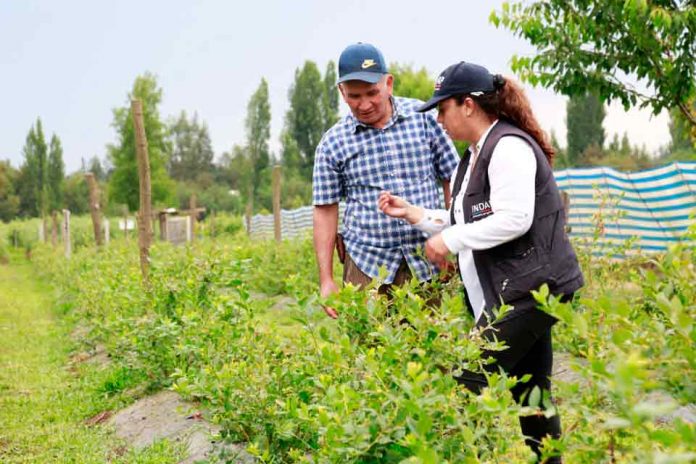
{"x": 460, "y": 79}
{"x": 361, "y": 62}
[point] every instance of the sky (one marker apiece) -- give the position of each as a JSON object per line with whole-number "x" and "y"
{"x": 71, "y": 62}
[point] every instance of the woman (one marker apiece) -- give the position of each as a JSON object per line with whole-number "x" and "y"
{"x": 505, "y": 224}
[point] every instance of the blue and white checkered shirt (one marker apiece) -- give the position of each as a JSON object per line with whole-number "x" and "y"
{"x": 407, "y": 157}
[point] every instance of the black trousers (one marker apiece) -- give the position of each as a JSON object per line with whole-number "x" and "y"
{"x": 527, "y": 333}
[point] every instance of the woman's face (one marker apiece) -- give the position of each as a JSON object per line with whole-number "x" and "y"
{"x": 456, "y": 118}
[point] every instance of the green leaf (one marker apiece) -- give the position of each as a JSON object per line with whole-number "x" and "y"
{"x": 535, "y": 397}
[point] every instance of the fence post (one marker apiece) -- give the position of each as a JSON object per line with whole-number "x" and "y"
{"x": 107, "y": 231}
{"x": 94, "y": 207}
{"x": 54, "y": 228}
{"x": 276, "y": 202}
{"x": 565, "y": 198}
{"x": 145, "y": 214}
{"x": 41, "y": 231}
{"x": 66, "y": 233}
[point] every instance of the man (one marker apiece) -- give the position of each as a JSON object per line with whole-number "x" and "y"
{"x": 384, "y": 144}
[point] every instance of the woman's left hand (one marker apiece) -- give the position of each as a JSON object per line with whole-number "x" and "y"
{"x": 436, "y": 251}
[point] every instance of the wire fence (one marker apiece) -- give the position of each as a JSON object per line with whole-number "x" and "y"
{"x": 651, "y": 208}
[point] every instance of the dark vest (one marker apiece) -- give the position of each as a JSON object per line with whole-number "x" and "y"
{"x": 509, "y": 272}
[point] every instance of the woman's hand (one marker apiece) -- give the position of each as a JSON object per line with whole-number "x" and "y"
{"x": 397, "y": 207}
{"x": 436, "y": 251}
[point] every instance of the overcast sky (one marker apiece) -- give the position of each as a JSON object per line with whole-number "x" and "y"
{"x": 71, "y": 62}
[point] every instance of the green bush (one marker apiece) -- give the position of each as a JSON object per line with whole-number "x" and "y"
{"x": 376, "y": 385}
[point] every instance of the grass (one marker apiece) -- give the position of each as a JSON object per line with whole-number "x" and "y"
{"x": 44, "y": 401}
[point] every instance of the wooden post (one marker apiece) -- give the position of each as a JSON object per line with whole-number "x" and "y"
{"x": 249, "y": 209}
{"x": 54, "y": 228}
{"x": 41, "y": 231}
{"x": 66, "y": 232}
{"x": 145, "y": 212}
{"x": 94, "y": 209}
{"x": 276, "y": 202}
{"x": 565, "y": 198}
{"x": 107, "y": 231}
{"x": 193, "y": 213}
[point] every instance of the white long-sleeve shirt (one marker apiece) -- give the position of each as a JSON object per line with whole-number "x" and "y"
{"x": 511, "y": 173}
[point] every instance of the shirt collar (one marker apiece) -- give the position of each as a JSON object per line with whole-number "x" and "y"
{"x": 398, "y": 114}
{"x": 482, "y": 140}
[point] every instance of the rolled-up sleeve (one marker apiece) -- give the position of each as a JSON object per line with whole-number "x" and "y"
{"x": 434, "y": 221}
{"x": 327, "y": 187}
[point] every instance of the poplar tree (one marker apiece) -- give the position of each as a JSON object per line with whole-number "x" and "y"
{"x": 584, "y": 117}
{"x": 33, "y": 179}
{"x": 258, "y": 132}
{"x": 331, "y": 96}
{"x": 305, "y": 119}
{"x": 56, "y": 173}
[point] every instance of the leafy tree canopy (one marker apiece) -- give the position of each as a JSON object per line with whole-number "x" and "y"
{"x": 603, "y": 47}
{"x": 192, "y": 151}
{"x": 124, "y": 184}
{"x": 411, "y": 83}
{"x": 9, "y": 201}
{"x": 55, "y": 174}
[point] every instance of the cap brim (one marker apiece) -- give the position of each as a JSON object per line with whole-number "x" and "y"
{"x": 370, "y": 77}
{"x": 432, "y": 103}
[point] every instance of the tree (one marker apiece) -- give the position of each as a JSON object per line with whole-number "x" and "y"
{"x": 584, "y": 117}
{"x": 304, "y": 120}
{"x": 602, "y": 47}
{"x": 95, "y": 167}
{"x": 410, "y": 83}
{"x": 33, "y": 179}
{"x": 331, "y": 98}
{"x": 123, "y": 186}
{"x": 56, "y": 174}
{"x": 683, "y": 134}
{"x": 76, "y": 193}
{"x": 192, "y": 152}
{"x": 9, "y": 201}
{"x": 560, "y": 161}
{"x": 258, "y": 132}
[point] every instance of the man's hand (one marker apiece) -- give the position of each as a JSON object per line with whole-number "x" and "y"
{"x": 329, "y": 288}
{"x": 325, "y": 229}
{"x": 397, "y": 207}
{"x": 436, "y": 251}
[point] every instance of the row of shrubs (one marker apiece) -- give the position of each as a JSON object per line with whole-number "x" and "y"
{"x": 376, "y": 386}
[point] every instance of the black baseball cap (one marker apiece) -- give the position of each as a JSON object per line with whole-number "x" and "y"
{"x": 458, "y": 79}
{"x": 361, "y": 62}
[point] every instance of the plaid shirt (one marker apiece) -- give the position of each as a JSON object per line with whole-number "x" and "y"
{"x": 407, "y": 157}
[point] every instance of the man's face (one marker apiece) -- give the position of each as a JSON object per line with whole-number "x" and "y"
{"x": 369, "y": 103}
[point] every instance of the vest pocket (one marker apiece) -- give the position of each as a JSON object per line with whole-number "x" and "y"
{"x": 514, "y": 278}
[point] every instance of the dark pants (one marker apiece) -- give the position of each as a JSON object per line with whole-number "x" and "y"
{"x": 527, "y": 334}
